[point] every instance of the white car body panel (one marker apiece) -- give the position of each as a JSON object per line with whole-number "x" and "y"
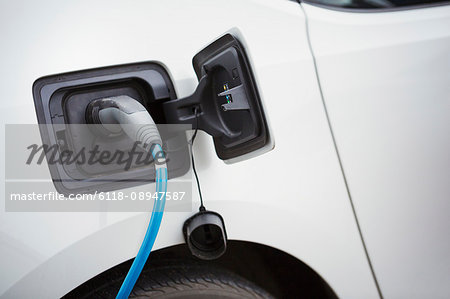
{"x": 385, "y": 79}
{"x": 313, "y": 209}
{"x": 295, "y": 193}
{"x": 57, "y": 252}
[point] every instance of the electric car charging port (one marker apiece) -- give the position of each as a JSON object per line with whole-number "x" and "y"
{"x": 62, "y": 102}
{"x": 226, "y": 105}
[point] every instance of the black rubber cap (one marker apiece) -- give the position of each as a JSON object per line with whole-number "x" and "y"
{"x": 205, "y": 235}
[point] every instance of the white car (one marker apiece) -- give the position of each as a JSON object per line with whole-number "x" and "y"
{"x": 347, "y": 195}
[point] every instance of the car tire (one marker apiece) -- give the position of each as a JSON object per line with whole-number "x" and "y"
{"x": 194, "y": 281}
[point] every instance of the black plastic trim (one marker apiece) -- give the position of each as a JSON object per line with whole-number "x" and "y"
{"x": 373, "y": 10}
{"x": 200, "y": 62}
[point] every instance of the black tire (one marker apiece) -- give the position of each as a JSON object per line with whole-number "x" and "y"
{"x": 194, "y": 281}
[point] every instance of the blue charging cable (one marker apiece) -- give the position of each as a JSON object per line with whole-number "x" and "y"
{"x": 153, "y": 226}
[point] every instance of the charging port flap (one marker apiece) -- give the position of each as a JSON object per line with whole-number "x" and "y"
{"x": 228, "y": 100}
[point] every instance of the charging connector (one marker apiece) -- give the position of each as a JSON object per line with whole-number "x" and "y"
{"x": 123, "y": 114}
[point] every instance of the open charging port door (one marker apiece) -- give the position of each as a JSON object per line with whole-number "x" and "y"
{"x": 228, "y": 101}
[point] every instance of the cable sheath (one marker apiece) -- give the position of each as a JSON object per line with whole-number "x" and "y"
{"x": 153, "y": 226}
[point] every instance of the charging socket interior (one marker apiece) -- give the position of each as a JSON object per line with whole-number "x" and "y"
{"x": 61, "y": 102}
